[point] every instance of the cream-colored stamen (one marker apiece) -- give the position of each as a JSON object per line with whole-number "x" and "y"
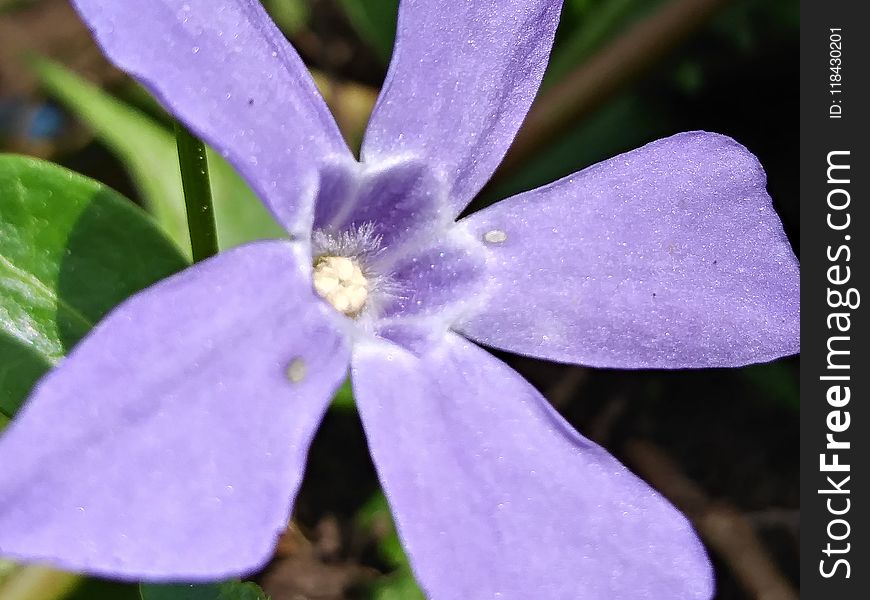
{"x": 341, "y": 282}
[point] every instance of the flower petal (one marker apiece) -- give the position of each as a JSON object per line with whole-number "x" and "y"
{"x": 434, "y": 287}
{"x": 399, "y": 201}
{"x": 432, "y": 279}
{"x": 462, "y": 78}
{"x": 231, "y": 76}
{"x": 172, "y": 440}
{"x": 669, "y": 256}
{"x": 495, "y": 496}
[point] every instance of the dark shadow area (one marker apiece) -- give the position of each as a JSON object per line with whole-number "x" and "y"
{"x": 20, "y": 368}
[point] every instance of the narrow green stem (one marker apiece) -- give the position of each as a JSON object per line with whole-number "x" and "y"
{"x": 197, "y": 194}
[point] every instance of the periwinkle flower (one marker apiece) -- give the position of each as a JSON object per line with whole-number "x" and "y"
{"x": 171, "y": 442}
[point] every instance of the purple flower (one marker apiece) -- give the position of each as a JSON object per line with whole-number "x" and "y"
{"x": 170, "y": 444}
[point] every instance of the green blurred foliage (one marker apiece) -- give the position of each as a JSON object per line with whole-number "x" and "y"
{"x": 399, "y": 584}
{"x": 101, "y": 589}
{"x": 375, "y": 22}
{"x": 585, "y": 24}
{"x": 6, "y": 567}
{"x": 230, "y": 590}
{"x": 344, "y": 397}
{"x": 10, "y": 5}
{"x": 147, "y": 149}
{"x": 290, "y": 15}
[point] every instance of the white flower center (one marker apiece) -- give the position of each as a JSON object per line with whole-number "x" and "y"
{"x": 341, "y": 282}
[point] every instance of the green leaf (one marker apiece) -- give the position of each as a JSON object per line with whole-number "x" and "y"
{"x": 290, "y": 15}
{"x": 148, "y": 151}
{"x": 70, "y": 250}
{"x": 400, "y": 584}
{"x": 230, "y": 590}
{"x": 21, "y": 366}
{"x": 343, "y": 399}
{"x": 375, "y": 21}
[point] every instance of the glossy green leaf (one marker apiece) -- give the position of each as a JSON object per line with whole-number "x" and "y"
{"x": 230, "y": 590}
{"x": 148, "y": 151}
{"x": 21, "y": 366}
{"x": 375, "y": 21}
{"x": 70, "y": 250}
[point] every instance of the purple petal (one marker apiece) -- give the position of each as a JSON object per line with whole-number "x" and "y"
{"x": 429, "y": 279}
{"x": 495, "y": 496}
{"x": 668, "y": 256}
{"x": 171, "y": 442}
{"x": 398, "y": 200}
{"x": 462, "y": 78}
{"x": 231, "y": 76}
{"x": 435, "y": 286}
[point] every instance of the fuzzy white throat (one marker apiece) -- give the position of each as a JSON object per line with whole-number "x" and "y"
{"x": 340, "y": 281}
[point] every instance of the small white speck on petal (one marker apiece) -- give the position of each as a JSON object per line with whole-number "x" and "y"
{"x": 496, "y": 236}
{"x": 296, "y": 370}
